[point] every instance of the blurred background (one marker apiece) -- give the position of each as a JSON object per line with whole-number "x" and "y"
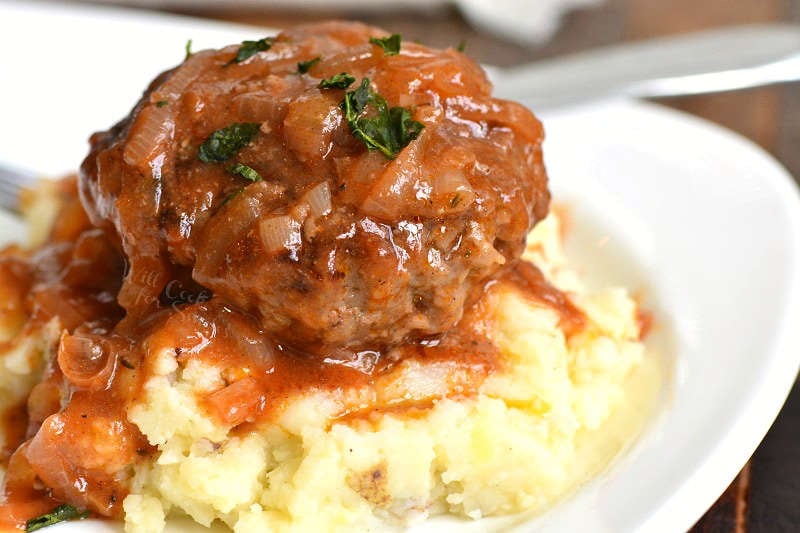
{"x": 765, "y": 496}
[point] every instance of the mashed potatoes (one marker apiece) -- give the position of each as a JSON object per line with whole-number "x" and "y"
{"x": 509, "y": 449}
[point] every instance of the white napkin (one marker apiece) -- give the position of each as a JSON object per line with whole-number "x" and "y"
{"x": 523, "y": 21}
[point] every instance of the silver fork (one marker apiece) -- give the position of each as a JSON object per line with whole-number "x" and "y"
{"x": 12, "y": 181}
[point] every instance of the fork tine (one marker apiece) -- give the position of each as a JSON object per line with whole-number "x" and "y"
{"x": 12, "y": 180}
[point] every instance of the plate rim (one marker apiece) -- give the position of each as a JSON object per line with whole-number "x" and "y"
{"x": 737, "y": 441}
{"x": 701, "y": 488}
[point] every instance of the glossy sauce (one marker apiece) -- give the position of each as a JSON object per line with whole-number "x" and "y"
{"x": 392, "y": 282}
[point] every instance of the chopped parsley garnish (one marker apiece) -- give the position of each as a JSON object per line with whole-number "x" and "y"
{"x": 162, "y": 103}
{"x": 343, "y": 80}
{"x": 305, "y": 66}
{"x": 462, "y": 45}
{"x": 188, "y": 49}
{"x": 250, "y": 48}
{"x": 224, "y": 143}
{"x": 385, "y": 129}
{"x": 244, "y": 171}
{"x": 390, "y": 45}
{"x": 61, "y": 513}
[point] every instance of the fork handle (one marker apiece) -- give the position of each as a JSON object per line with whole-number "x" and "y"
{"x": 709, "y": 61}
{"x": 12, "y": 181}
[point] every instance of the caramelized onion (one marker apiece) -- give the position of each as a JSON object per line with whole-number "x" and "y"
{"x": 249, "y": 343}
{"x": 270, "y": 104}
{"x": 156, "y": 125}
{"x": 280, "y": 232}
{"x": 20, "y": 476}
{"x": 149, "y": 138}
{"x": 398, "y": 189}
{"x": 309, "y": 126}
{"x": 241, "y": 213}
{"x": 238, "y": 402}
{"x": 181, "y": 78}
{"x": 452, "y": 188}
{"x": 319, "y": 200}
{"x": 414, "y": 382}
{"x": 15, "y": 282}
{"x": 49, "y": 302}
{"x": 85, "y": 361}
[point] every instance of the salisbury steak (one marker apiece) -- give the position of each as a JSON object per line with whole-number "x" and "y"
{"x": 350, "y": 190}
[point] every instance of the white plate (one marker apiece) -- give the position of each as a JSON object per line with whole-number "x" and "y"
{"x": 700, "y": 219}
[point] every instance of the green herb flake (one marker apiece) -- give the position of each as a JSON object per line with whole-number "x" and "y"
{"x": 162, "y": 103}
{"x": 250, "y": 48}
{"x": 62, "y": 513}
{"x": 455, "y": 200}
{"x": 188, "y": 50}
{"x": 381, "y": 128}
{"x": 343, "y": 80}
{"x": 462, "y": 46}
{"x": 224, "y": 143}
{"x": 390, "y": 45}
{"x": 304, "y": 66}
{"x": 244, "y": 171}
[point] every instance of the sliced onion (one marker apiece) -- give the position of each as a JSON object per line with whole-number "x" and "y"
{"x": 155, "y": 125}
{"x": 86, "y": 361}
{"x": 279, "y": 233}
{"x": 452, "y": 188}
{"x": 20, "y": 476}
{"x": 415, "y": 382}
{"x": 309, "y": 125}
{"x": 54, "y": 301}
{"x": 270, "y": 102}
{"x": 183, "y": 76}
{"x": 260, "y": 106}
{"x": 393, "y": 192}
{"x": 498, "y": 113}
{"x": 250, "y": 343}
{"x": 319, "y": 200}
{"x": 226, "y": 228}
{"x": 239, "y": 402}
{"x": 238, "y": 220}
{"x": 153, "y": 130}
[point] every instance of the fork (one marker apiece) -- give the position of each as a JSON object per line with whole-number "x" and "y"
{"x": 12, "y": 181}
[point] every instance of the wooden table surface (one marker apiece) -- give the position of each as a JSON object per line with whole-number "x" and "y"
{"x": 765, "y": 497}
